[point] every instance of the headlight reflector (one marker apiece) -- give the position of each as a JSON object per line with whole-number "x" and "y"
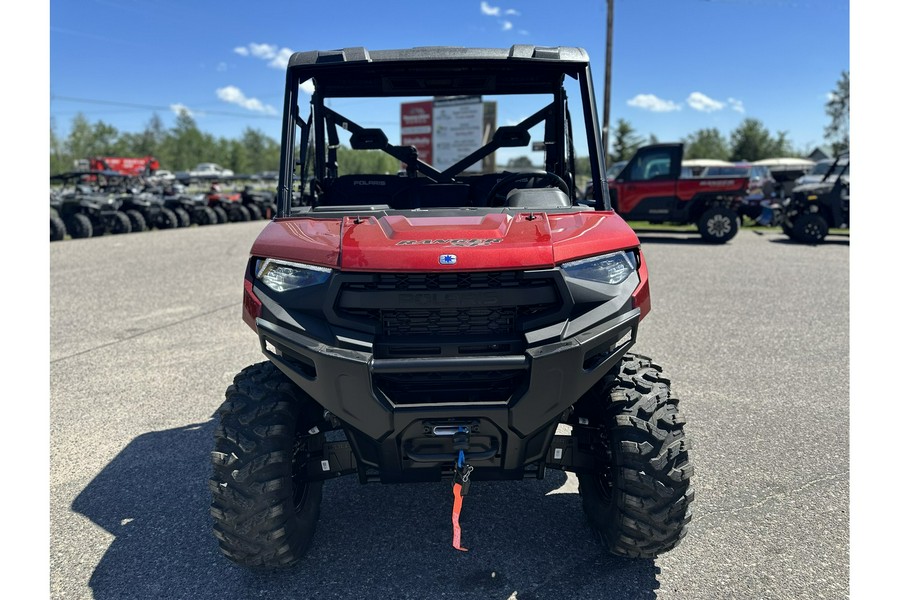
{"x": 609, "y": 268}
{"x": 283, "y": 276}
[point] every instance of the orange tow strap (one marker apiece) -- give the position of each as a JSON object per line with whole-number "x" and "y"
{"x": 457, "y": 506}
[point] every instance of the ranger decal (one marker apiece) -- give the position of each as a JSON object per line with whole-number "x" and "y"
{"x": 465, "y": 243}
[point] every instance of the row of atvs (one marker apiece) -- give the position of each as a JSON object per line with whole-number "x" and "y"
{"x": 91, "y": 203}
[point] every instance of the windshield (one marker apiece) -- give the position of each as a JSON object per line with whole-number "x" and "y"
{"x": 728, "y": 172}
{"x": 821, "y": 167}
{"x": 422, "y": 152}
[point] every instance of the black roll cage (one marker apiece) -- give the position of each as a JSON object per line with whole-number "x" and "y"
{"x": 323, "y": 122}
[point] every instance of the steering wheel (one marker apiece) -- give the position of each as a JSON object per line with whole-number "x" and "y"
{"x": 525, "y": 179}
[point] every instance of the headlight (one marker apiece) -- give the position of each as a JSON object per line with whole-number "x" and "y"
{"x": 283, "y": 276}
{"x": 609, "y": 268}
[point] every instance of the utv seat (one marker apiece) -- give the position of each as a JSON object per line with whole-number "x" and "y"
{"x": 359, "y": 190}
{"x": 441, "y": 195}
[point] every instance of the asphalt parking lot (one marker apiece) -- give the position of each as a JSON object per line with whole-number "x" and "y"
{"x": 146, "y": 334}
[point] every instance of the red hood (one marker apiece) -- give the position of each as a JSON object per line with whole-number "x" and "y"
{"x": 486, "y": 242}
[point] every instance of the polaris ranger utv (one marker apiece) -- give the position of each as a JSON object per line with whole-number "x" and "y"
{"x": 813, "y": 208}
{"x": 442, "y": 322}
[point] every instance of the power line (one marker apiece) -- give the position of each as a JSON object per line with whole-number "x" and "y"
{"x": 221, "y": 113}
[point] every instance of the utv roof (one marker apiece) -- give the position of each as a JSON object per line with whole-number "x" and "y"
{"x": 438, "y": 53}
{"x": 438, "y": 71}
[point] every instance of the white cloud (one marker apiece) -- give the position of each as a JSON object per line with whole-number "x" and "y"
{"x": 496, "y": 11}
{"x": 234, "y": 95}
{"x": 221, "y": 67}
{"x": 264, "y": 51}
{"x": 736, "y": 105}
{"x": 653, "y": 103}
{"x": 181, "y": 108}
{"x": 704, "y": 103}
{"x": 278, "y": 57}
{"x": 491, "y": 11}
{"x": 281, "y": 58}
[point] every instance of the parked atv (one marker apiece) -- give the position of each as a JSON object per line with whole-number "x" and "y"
{"x": 189, "y": 209}
{"x": 86, "y": 210}
{"x": 260, "y": 203}
{"x": 227, "y": 205}
{"x": 814, "y": 208}
{"x": 441, "y": 324}
{"x": 145, "y": 209}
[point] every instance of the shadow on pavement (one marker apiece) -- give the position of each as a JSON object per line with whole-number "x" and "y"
{"x": 373, "y": 541}
{"x": 829, "y": 241}
{"x": 658, "y": 236}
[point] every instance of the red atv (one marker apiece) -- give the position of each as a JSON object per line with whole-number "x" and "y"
{"x": 226, "y": 205}
{"x": 436, "y": 320}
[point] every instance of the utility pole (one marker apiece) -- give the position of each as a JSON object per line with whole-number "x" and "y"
{"x": 608, "y": 77}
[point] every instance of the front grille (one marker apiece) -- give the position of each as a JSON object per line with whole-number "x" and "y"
{"x": 450, "y": 387}
{"x": 446, "y": 304}
{"x": 455, "y": 321}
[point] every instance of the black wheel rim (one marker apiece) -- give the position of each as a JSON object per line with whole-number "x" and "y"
{"x": 719, "y": 226}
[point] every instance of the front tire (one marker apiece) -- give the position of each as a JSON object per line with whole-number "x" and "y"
{"x": 264, "y": 511}
{"x": 138, "y": 222}
{"x": 57, "y": 227}
{"x": 637, "y": 502}
{"x": 205, "y": 216}
{"x": 184, "y": 217}
{"x": 167, "y": 219}
{"x": 221, "y": 215}
{"x": 79, "y": 226}
{"x": 718, "y": 225}
{"x": 255, "y": 212}
{"x": 239, "y": 214}
{"x": 810, "y": 229}
{"x": 119, "y": 223}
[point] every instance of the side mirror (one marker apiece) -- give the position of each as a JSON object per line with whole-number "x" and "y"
{"x": 509, "y": 136}
{"x": 368, "y": 139}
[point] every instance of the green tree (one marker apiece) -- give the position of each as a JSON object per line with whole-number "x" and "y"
{"x": 86, "y": 139}
{"x": 179, "y": 149}
{"x": 520, "y": 162}
{"x": 838, "y": 110}
{"x": 105, "y": 138}
{"x": 79, "y": 144}
{"x": 147, "y": 142}
{"x": 752, "y": 141}
{"x": 706, "y": 143}
{"x": 186, "y": 145}
{"x": 262, "y": 152}
{"x": 351, "y": 162}
{"x": 60, "y": 160}
{"x": 625, "y": 141}
{"x": 235, "y": 156}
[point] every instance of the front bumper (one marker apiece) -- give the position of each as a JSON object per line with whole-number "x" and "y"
{"x": 404, "y": 441}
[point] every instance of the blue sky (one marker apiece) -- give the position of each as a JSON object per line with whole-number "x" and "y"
{"x": 678, "y": 65}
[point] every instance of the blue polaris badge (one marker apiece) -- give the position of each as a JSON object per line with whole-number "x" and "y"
{"x": 447, "y": 259}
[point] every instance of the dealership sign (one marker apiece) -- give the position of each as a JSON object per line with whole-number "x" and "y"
{"x": 443, "y": 130}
